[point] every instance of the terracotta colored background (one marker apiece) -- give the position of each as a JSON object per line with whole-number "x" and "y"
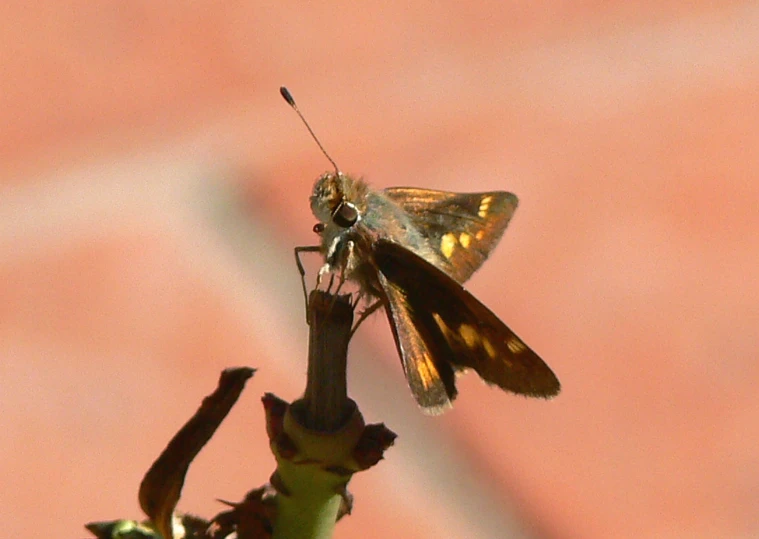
{"x": 154, "y": 184}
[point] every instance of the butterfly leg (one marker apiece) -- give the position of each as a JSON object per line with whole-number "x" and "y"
{"x": 341, "y": 276}
{"x": 371, "y": 309}
{"x": 301, "y": 269}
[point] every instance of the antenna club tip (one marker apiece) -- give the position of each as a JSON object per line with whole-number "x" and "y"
{"x": 287, "y": 96}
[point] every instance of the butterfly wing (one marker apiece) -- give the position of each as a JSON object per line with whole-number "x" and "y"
{"x": 439, "y": 327}
{"x": 462, "y": 227}
{"x": 422, "y": 350}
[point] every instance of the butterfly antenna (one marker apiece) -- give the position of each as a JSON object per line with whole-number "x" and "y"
{"x": 290, "y": 101}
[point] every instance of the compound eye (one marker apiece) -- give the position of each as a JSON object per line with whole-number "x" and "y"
{"x": 345, "y": 215}
{"x": 319, "y": 228}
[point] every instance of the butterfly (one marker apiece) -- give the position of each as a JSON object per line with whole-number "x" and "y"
{"x": 409, "y": 250}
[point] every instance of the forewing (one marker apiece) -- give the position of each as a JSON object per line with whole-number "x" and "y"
{"x": 462, "y": 227}
{"x": 436, "y": 321}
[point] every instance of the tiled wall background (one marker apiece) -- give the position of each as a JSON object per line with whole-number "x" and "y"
{"x": 154, "y": 184}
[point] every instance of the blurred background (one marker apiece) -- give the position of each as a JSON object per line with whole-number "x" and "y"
{"x": 154, "y": 185}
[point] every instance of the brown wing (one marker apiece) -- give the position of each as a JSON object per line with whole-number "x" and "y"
{"x": 462, "y": 227}
{"x": 440, "y": 327}
{"x": 423, "y": 355}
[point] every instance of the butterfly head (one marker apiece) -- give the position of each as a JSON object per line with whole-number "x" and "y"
{"x": 330, "y": 201}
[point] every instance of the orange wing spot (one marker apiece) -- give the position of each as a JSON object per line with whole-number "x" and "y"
{"x": 465, "y": 239}
{"x": 484, "y": 206}
{"x": 442, "y": 325}
{"x": 489, "y": 350}
{"x": 448, "y": 244}
{"x": 515, "y": 345}
{"x": 470, "y": 335}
